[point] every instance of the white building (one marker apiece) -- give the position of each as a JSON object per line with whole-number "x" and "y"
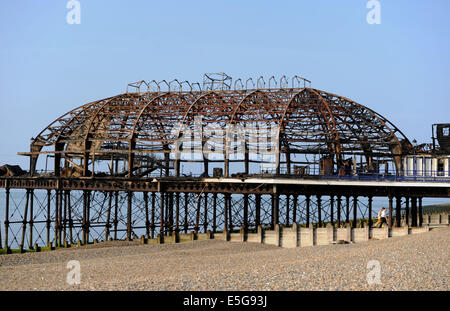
{"x": 426, "y": 165}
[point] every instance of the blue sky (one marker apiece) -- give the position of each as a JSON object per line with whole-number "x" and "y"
{"x": 399, "y": 68}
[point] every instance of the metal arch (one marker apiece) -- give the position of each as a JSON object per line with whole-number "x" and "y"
{"x": 80, "y": 108}
{"x": 333, "y": 128}
{"x": 381, "y": 118}
{"x": 138, "y": 119}
{"x": 194, "y": 104}
{"x": 86, "y": 137}
{"x": 343, "y": 124}
{"x": 142, "y": 111}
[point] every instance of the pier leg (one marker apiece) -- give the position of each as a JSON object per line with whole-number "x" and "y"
{"x": 108, "y": 216}
{"x": 230, "y": 212}
{"x": 84, "y": 214}
{"x": 339, "y": 201}
{"x": 116, "y": 211}
{"x": 319, "y": 211}
{"x": 7, "y": 218}
{"x": 355, "y": 211}
{"x": 186, "y": 206}
{"x": 390, "y": 212}
{"x": 24, "y": 220}
{"x": 130, "y": 206}
{"x": 276, "y": 205}
{"x": 398, "y": 212}
{"x": 214, "y": 212}
{"x": 161, "y": 225}
{"x": 69, "y": 206}
{"x": 205, "y": 211}
{"x": 57, "y": 224}
{"x": 308, "y": 203}
{"x": 30, "y": 222}
{"x": 88, "y": 215}
{"x": 170, "y": 222}
{"x": 287, "y": 209}
{"x": 294, "y": 209}
{"x": 370, "y": 211}
{"x": 225, "y": 213}
{"x": 420, "y": 213}
{"x": 347, "y": 209}
{"x": 332, "y": 210}
{"x": 258, "y": 210}
{"x": 177, "y": 212}
{"x": 413, "y": 212}
{"x": 407, "y": 211}
{"x": 245, "y": 213}
{"x": 49, "y": 216}
{"x": 65, "y": 218}
{"x": 197, "y": 217}
{"x": 152, "y": 225}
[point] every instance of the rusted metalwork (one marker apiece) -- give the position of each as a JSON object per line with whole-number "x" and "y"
{"x": 119, "y": 167}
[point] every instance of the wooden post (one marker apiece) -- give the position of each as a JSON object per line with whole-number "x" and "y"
{"x": 370, "y": 223}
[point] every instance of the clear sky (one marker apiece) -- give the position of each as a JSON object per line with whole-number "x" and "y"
{"x": 399, "y": 68}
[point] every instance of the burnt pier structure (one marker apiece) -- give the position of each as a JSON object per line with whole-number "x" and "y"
{"x": 174, "y": 157}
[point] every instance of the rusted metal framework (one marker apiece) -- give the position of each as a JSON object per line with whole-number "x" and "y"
{"x": 134, "y": 134}
{"x": 140, "y": 163}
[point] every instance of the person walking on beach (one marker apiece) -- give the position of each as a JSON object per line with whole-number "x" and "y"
{"x": 382, "y": 217}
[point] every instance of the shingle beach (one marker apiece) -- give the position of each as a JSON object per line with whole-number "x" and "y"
{"x": 413, "y": 262}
